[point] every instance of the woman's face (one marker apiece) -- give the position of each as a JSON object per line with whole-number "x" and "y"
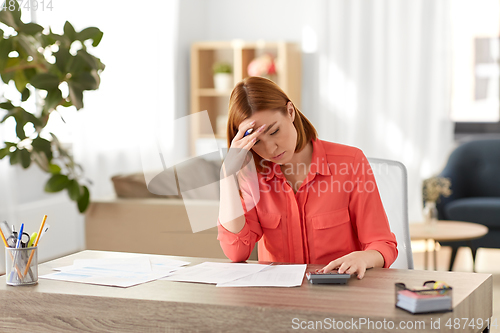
{"x": 277, "y": 141}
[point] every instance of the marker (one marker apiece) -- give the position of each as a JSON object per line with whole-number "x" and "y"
{"x": 32, "y": 239}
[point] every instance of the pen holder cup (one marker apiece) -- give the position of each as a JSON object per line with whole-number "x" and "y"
{"x": 21, "y": 266}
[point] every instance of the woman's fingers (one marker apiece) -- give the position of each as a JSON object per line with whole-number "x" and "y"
{"x": 242, "y": 130}
{"x": 250, "y": 144}
{"x": 344, "y": 267}
{"x": 328, "y": 268}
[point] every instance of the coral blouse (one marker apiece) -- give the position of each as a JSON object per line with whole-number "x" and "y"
{"x": 336, "y": 210}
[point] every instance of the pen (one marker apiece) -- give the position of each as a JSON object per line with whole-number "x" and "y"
{"x": 20, "y": 236}
{"x": 36, "y": 244}
{"x": 14, "y": 260}
{"x": 248, "y": 132}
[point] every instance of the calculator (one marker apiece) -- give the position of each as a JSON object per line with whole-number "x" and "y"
{"x": 327, "y": 278}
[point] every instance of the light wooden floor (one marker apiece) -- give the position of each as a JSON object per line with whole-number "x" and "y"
{"x": 487, "y": 261}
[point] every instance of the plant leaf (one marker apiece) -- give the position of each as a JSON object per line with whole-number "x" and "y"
{"x": 75, "y": 95}
{"x": 25, "y": 94}
{"x": 62, "y": 58}
{"x": 14, "y": 157}
{"x": 30, "y": 28}
{"x": 11, "y": 18}
{"x": 54, "y": 97}
{"x": 74, "y": 190}
{"x": 85, "y": 81}
{"x": 20, "y": 122}
{"x": 4, "y": 152}
{"x": 6, "y": 106}
{"x": 45, "y": 81}
{"x": 20, "y": 80}
{"x": 25, "y": 158}
{"x": 29, "y": 44}
{"x": 89, "y": 33}
{"x": 92, "y": 61}
{"x": 69, "y": 31}
{"x": 56, "y": 183}
{"x": 54, "y": 168}
{"x": 42, "y": 145}
{"x": 84, "y": 200}
{"x": 30, "y": 117}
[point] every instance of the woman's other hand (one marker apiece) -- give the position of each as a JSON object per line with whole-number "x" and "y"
{"x": 356, "y": 262}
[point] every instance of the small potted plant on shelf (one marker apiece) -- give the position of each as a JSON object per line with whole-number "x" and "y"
{"x": 223, "y": 78}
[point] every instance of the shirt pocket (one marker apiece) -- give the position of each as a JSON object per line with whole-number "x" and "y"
{"x": 272, "y": 232}
{"x": 333, "y": 235}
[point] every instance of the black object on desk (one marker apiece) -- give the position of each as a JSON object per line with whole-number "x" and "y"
{"x": 327, "y": 278}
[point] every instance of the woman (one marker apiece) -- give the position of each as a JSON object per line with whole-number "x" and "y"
{"x": 303, "y": 199}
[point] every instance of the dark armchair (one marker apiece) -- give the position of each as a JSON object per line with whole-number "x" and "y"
{"x": 474, "y": 170}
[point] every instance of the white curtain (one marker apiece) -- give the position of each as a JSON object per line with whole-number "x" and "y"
{"x": 385, "y": 70}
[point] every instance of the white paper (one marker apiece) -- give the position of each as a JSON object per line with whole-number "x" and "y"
{"x": 143, "y": 263}
{"x": 136, "y": 264}
{"x": 215, "y": 272}
{"x": 97, "y": 276}
{"x": 273, "y": 276}
{"x": 119, "y": 272}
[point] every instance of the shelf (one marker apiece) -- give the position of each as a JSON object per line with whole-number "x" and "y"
{"x": 212, "y": 92}
{"x": 239, "y": 54}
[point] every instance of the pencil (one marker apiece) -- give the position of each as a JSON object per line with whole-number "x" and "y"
{"x": 3, "y": 238}
{"x": 36, "y": 244}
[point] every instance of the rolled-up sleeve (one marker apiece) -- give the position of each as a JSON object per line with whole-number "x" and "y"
{"x": 367, "y": 212}
{"x": 238, "y": 246}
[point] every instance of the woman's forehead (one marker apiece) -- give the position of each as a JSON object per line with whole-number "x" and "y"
{"x": 265, "y": 117}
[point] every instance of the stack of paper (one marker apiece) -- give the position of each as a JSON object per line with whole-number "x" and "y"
{"x": 242, "y": 275}
{"x": 119, "y": 272}
{"x": 420, "y": 303}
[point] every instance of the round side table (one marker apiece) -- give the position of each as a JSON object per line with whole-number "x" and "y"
{"x": 446, "y": 231}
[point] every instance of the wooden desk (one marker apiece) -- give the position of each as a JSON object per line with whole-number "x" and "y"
{"x": 446, "y": 231}
{"x": 166, "y": 306}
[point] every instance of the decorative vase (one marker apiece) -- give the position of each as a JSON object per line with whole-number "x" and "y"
{"x": 430, "y": 213}
{"x": 223, "y": 81}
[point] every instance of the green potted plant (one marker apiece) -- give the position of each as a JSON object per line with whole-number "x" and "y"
{"x": 223, "y": 78}
{"x": 57, "y": 69}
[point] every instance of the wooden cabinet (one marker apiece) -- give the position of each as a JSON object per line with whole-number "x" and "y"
{"x": 239, "y": 54}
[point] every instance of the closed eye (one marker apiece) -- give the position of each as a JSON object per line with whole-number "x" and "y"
{"x": 256, "y": 142}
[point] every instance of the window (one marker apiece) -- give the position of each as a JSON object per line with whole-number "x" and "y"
{"x": 476, "y": 72}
